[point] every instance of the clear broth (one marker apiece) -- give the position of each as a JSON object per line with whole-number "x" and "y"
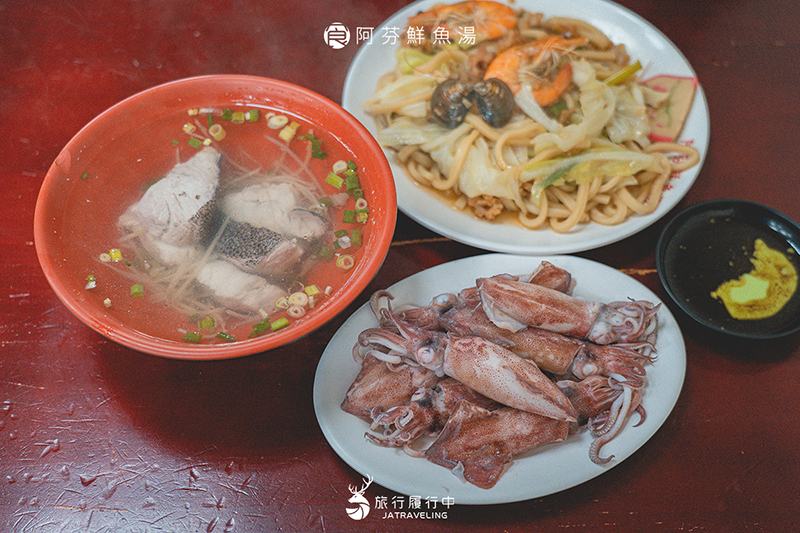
{"x": 91, "y": 220}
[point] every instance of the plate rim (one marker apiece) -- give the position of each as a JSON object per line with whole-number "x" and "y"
{"x": 327, "y": 409}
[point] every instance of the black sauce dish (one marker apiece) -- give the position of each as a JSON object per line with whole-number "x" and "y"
{"x": 712, "y": 242}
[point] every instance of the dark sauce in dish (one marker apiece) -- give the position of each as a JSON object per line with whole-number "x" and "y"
{"x": 713, "y": 242}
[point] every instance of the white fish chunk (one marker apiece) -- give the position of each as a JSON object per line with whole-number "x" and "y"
{"x": 279, "y": 207}
{"x": 177, "y": 209}
{"x": 171, "y": 254}
{"x": 237, "y": 289}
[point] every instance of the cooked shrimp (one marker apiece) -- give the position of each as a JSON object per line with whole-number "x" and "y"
{"x": 535, "y": 62}
{"x": 490, "y": 20}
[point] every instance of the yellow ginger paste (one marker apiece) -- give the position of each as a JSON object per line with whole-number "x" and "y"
{"x": 763, "y": 291}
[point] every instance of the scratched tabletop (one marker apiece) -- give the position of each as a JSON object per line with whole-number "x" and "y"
{"x": 95, "y": 437}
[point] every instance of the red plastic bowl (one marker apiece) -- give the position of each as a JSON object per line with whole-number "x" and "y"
{"x": 104, "y": 167}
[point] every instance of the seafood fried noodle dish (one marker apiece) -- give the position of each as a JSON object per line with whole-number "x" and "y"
{"x": 501, "y": 368}
{"x": 511, "y": 114}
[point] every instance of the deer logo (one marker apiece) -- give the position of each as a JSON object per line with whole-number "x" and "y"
{"x": 360, "y": 512}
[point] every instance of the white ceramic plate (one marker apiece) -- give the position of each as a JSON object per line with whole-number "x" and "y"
{"x": 643, "y": 41}
{"x": 544, "y": 471}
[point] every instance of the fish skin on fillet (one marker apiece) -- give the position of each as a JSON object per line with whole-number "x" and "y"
{"x": 258, "y": 250}
{"x": 276, "y": 206}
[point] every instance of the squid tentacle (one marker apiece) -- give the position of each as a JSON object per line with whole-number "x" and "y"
{"x": 607, "y": 426}
{"x": 623, "y": 360}
{"x": 621, "y": 404}
{"x": 623, "y": 321}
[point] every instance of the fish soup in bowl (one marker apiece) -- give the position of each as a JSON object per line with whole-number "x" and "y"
{"x": 215, "y": 217}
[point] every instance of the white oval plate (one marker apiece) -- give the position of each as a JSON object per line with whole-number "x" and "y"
{"x": 643, "y": 42}
{"x": 549, "y": 469}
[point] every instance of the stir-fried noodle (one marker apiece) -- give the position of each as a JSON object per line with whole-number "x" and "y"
{"x": 579, "y": 146}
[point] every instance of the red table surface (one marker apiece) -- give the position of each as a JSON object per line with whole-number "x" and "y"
{"x": 96, "y": 437}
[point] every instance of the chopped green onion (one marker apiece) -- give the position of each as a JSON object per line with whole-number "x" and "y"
{"x": 225, "y": 336}
{"x": 345, "y": 262}
{"x": 316, "y": 146}
{"x": 260, "y": 327}
{"x": 210, "y": 119}
{"x": 362, "y": 215}
{"x": 340, "y": 233}
{"x": 311, "y": 290}
{"x": 351, "y": 181}
{"x": 334, "y": 180}
{"x": 351, "y": 165}
{"x": 281, "y": 323}
{"x": 227, "y": 114}
{"x": 192, "y": 336}
{"x": 217, "y": 132}
{"x": 358, "y": 194}
{"x": 252, "y": 115}
{"x": 288, "y": 132}
{"x": 238, "y": 117}
{"x": 349, "y": 216}
{"x": 298, "y": 298}
{"x": 91, "y": 282}
{"x": 84, "y": 175}
{"x": 324, "y": 252}
{"x": 556, "y": 109}
{"x": 194, "y": 142}
{"x": 116, "y": 254}
{"x": 296, "y": 311}
{"x": 175, "y": 142}
{"x": 340, "y": 166}
{"x": 277, "y": 121}
{"x": 207, "y": 323}
{"x": 325, "y": 201}
{"x": 355, "y": 237}
{"x": 137, "y": 290}
{"x": 623, "y": 74}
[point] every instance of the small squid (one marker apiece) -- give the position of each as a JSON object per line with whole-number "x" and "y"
{"x": 478, "y": 444}
{"x": 514, "y": 305}
{"x": 553, "y": 352}
{"x": 484, "y": 366}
